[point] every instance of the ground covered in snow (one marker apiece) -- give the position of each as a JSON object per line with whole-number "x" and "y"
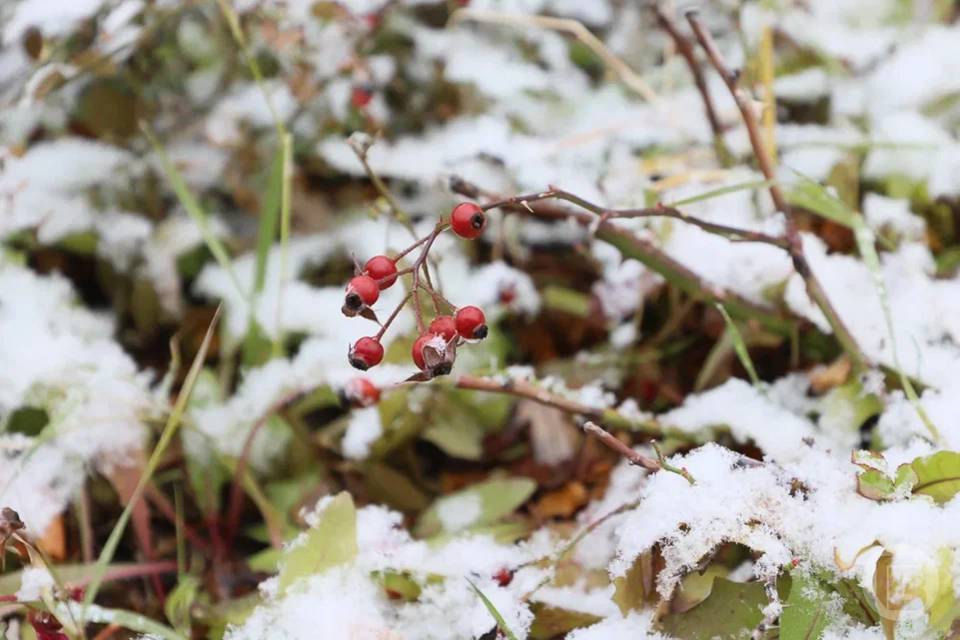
{"x": 731, "y": 411}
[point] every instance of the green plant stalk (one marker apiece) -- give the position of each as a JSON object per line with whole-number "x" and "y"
{"x": 739, "y": 346}
{"x": 501, "y": 623}
{"x": 195, "y": 211}
{"x": 169, "y": 430}
{"x": 285, "y": 197}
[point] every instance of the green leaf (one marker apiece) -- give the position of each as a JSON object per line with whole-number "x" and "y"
{"x": 480, "y": 504}
{"x": 398, "y": 585}
{"x": 330, "y": 543}
{"x": 387, "y": 485}
{"x": 806, "y": 610}
{"x": 938, "y": 475}
{"x": 637, "y": 588}
{"x": 732, "y": 610}
{"x": 553, "y": 622}
{"x": 501, "y": 623}
{"x": 180, "y": 601}
{"x": 875, "y": 485}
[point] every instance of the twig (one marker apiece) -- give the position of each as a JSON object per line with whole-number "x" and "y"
{"x": 540, "y": 395}
{"x": 360, "y": 145}
{"x": 685, "y": 49}
{"x": 236, "y": 486}
{"x": 794, "y": 242}
{"x": 633, "y": 246}
{"x": 627, "y": 75}
{"x": 633, "y": 456}
{"x": 733, "y": 234}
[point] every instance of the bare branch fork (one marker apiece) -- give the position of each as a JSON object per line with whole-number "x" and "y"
{"x": 794, "y": 244}
{"x": 685, "y": 49}
{"x": 633, "y": 456}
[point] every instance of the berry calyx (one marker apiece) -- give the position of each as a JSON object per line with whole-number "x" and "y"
{"x": 360, "y": 392}
{"x": 471, "y": 323}
{"x": 382, "y": 269}
{"x": 365, "y": 353}
{"x": 443, "y": 326}
{"x": 417, "y": 352}
{"x": 361, "y": 291}
{"x": 468, "y": 220}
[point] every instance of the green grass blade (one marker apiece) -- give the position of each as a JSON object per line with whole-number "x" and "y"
{"x": 237, "y": 31}
{"x": 501, "y": 623}
{"x": 739, "y": 346}
{"x": 716, "y": 193}
{"x": 287, "y": 173}
{"x": 169, "y": 430}
{"x": 813, "y": 196}
{"x": 195, "y": 211}
{"x": 267, "y": 231}
{"x": 126, "y": 619}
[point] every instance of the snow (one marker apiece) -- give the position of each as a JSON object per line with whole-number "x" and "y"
{"x": 363, "y": 430}
{"x": 346, "y": 602}
{"x": 459, "y": 512}
{"x": 33, "y": 582}
{"x": 66, "y": 362}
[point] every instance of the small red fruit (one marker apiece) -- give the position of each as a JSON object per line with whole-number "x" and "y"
{"x": 417, "y": 351}
{"x": 360, "y": 96}
{"x": 503, "y": 577}
{"x": 468, "y": 220}
{"x": 360, "y": 392}
{"x": 471, "y": 323}
{"x": 382, "y": 269}
{"x": 443, "y": 326}
{"x": 365, "y": 353}
{"x": 361, "y": 291}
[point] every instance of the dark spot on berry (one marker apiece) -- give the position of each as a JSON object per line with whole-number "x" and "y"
{"x": 442, "y": 369}
{"x": 480, "y": 332}
{"x": 353, "y": 301}
{"x": 359, "y": 364}
{"x": 477, "y": 220}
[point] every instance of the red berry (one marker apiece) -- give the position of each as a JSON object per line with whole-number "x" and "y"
{"x": 471, "y": 324}
{"x": 382, "y": 269}
{"x": 360, "y": 96}
{"x": 468, "y": 220}
{"x": 365, "y": 353}
{"x": 417, "y": 351}
{"x": 503, "y": 577}
{"x": 361, "y": 392}
{"x": 443, "y": 326}
{"x": 361, "y": 291}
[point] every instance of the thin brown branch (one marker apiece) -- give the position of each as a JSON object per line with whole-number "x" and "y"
{"x": 633, "y": 456}
{"x": 522, "y": 389}
{"x": 685, "y": 49}
{"x": 236, "y": 486}
{"x": 814, "y": 288}
{"x": 629, "y": 244}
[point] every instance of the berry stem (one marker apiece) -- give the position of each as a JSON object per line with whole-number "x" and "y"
{"x": 392, "y": 317}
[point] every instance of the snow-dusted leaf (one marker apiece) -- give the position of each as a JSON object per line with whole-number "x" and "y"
{"x": 332, "y": 541}
{"x": 638, "y": 588}
{"x": 481, "y": 504}
{"x": 732, "y": 610}
{"x": 937, "y": 475}
{"x": 806, "y": 611}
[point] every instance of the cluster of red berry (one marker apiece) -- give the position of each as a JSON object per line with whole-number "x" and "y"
{"x": 434, "y": 350}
